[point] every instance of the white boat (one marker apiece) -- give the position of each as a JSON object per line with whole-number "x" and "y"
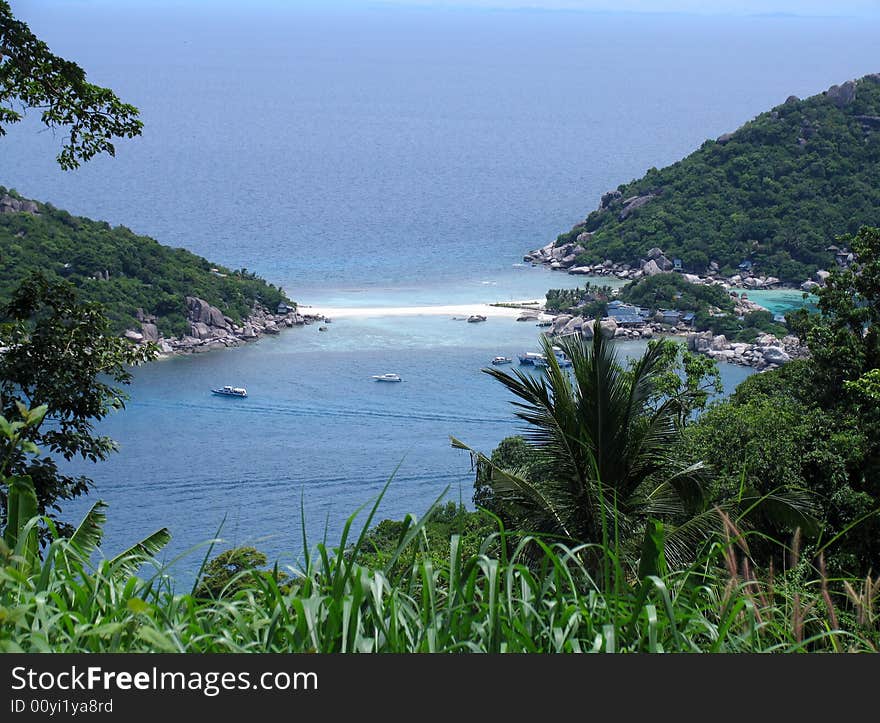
{"x": 501, "y": 360}
{"x": 387, "y": 377}
{"x": 530, "y": 357}
{"x": 230, "y": 391}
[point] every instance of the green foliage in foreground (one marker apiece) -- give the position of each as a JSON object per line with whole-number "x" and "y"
{"x": 418, "y": 594}
{"x": 494, "y": 599}
{"x": 143, "y": 274}
{"x": 776, "y": 193}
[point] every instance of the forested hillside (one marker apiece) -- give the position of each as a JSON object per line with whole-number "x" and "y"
{"x": 776, "y": 192}
{"x": 120, "y": 269}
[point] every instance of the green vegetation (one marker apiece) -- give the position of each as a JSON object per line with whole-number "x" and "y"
{"x": 713, "y": 307}
{"x": 60, "y": 353}
{"x": 494, "y": 599}
{"x": 814, "y": 424}
{"x": 672, "y": 291}
{"x": 143, "y": 274}
{"x": 591, "y": 301}
{"x": 775, "y": 192}
{"x": 32, "y": 77}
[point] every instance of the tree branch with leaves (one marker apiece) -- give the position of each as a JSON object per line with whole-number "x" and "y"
{"x": 31, "y": 76}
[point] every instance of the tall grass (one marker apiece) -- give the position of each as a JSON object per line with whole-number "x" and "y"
{"x": 501, "y": 598}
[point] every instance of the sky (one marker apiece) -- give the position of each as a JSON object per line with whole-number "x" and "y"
{"x": 858, "y": 8}
{"x": 738, "y": 7}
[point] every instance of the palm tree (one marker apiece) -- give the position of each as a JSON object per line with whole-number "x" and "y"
{"x": 605, "y": 460}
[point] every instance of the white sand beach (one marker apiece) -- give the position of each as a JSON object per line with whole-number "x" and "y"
{"x": 453, "y": 310}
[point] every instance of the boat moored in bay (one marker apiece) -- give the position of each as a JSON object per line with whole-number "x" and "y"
{"x": 230, "y": 391}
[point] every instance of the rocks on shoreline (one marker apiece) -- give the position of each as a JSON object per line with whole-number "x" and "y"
{"x": 210, "y": 329}
{"x": 765, "y": 353}
{"x": 564, "y": 258}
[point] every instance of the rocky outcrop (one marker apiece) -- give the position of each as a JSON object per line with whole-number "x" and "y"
{"x": 609, "y": 198}
{"x": 10, "y": 204}
{"x": 842, "y": 95}
{"x": 634, "y": 203}
{"x": 767, "y": 352}
{"x": 209, "y": 328}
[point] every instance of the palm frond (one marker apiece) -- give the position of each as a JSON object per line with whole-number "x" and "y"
{"x": 127, "y": 563}
{"x": 88, "y": 535}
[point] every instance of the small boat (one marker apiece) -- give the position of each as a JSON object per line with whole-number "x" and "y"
{"x": 230, "y": 391}
{"x": 545, "y": 322}
{"x": 502, "y": 360}
{"x": 387, "y": 377}
{"x": 322, "y": 328}
{"x": 476, "y": 317}
{"x": 530, "y": 357}
{"x": 327, "y": 320}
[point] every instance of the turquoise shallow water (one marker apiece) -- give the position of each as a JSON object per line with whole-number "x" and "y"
{"x": 781, "y": 301}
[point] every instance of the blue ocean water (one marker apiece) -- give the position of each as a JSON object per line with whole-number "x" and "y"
{"x": 374, "y": 157}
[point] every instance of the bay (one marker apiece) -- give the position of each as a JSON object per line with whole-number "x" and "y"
{"x": 375, "y": 157}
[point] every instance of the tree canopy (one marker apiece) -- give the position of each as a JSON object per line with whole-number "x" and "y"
{"x": 61, "y": 353}
{"x": 122, "y": 270}
{"x": 776, "y": 192}
{"x": 32, "y": 77}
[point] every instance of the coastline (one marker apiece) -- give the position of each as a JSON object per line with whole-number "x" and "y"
{"x": 454, "y": 310}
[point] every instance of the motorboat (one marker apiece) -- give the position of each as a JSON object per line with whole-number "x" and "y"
{"x": 530, "y": 357}
{"x": 387, "y": 377}
{"x": 502, "y": 360}
{"x": 230, "y": 391}
{"x": 476, "y": 317}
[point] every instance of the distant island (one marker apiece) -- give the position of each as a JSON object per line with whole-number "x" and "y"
{"x": 765, "y": 202}
{"x": 150, "y": 292}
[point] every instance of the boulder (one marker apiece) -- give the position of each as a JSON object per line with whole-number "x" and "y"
{"x": 609, "y": 327}
{"x": 150, "y": 331}
{"x": 692, "y": 278}
{"x": 271, "y": 328}
{"x": 609, "y": 198}
{"x": 775, "y": 355}
{"x": 719, "y": 343}
{"x": 664, "y": 263}
{"x": 559, "y": 322}
{"x": 822, "y": 276}
{"x": 584, "y": 237}
{"x": 199, "y": 310}
{"x": 581, "y": 270}
{"x": 842, "y": 95}
{"x": 568, "y": 260}
{"x": 651, "y": 268}
{"x": 735, "y": 280}
{"x": 573, "y": 326}
{"x": 655, "y": 253}
{"x": 631, "y": 204}
{"x": 165, "y": 347}
{"x": 134, "y": 336}
{"x": 766, "y": 340}
{"x": 199, "y": 330}
{"x": 248, "y": 331}
{"x": 809, "y": 286}
{"x": 587, "y": 328}
{"x": 724, "y": 138}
